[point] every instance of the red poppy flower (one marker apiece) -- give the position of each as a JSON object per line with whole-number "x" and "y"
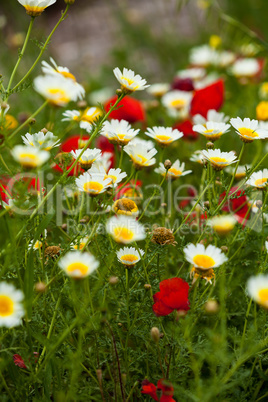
{"x": 164, "y": 389}
{"x": 18, "y": 360}
{"x": 210, "y": 97}
{"x": 237, "y": 205}
{"x": 130, "y": 109}
{"x": 186, "y": 127}
{"x": 173, "y": 295}
{"x": 183, "y": 84}
{"x": 4, "y": 188}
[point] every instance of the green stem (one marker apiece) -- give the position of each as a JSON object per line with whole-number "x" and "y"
{"x": 231, "y": 182}
{"x": 20, "y": 57}
{"x": 43, "y": 48}
{"x": 28, "y": 120}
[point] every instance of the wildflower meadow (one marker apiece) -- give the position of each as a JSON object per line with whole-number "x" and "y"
{"x": 134, "y": 217}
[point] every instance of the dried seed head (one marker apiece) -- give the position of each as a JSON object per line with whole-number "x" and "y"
{"x": 163, "y": 236}
{"x": 52, "y": 251}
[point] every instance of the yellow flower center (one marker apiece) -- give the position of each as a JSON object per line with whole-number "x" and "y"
{"x": 264, "y": 87}
{"x": 6, "y": 306}
{"x": 260, "y": 182}
{"x": 263, "y": 296}
{"x": 78, "y": 266}
{"x": 112, "y": 177}
{"x": 177, "y": 103}
{"x": 164, "y": 138}
{"x": 123, "y": 234}
{"x": 204, "y": 261}
{"x": 66, "y": 74}
{"x": 37, "y": 244}
{"x": 93, "y": 187}
{"x": 61, "y": 95}
{"x": 90, "y": 117}
{"x": 129, "y": 259}
{"x": 248, "y": 132}
{"x": 143, "y": 160}
{"x": 217, "y": 159}
{"x": 175, "y": 172}
{"x": 33, "y": 8}
{"x": 223, "y": 228}
{"x": 28, "y": 160}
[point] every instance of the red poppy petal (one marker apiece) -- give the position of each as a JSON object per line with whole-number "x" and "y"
{"x": 149, "y": 389}
{"x": 160, "y": 308}
{"x": 130, "y": 109}
{"x": 210, "y": 97}
{"x": 18, "y": 360}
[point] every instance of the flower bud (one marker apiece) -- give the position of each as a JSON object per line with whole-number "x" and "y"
{"x": 259, "y": 204}
{"x": 40, "y": 287}
{"x": 70, "y": 2}
{"x": 82, "y": 104}
{"x": 64, "y": 227}
{"x": 224, "y": 249}
{"x": 113, "y": 280}
{"x": 211, "y": 306}
{"x": 155, "y": 334}
{"x": 206, "y": 204}
{"x": 44, "y": 130}
{"x": 99, "y": 375}
{"x": 167, "y": 164}
{"x": 147, "y": 286}
{"x": 210, "y": 145}
{"x": 119, "y": 92}
{"x": 4, "y": 106}
{"x": 32, "y": 122}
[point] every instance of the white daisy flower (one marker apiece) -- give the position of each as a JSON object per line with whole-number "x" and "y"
{"x": 177, "y": 100}
{"x": 29, "y": 156}
{"x": 247, "y": 67}
{"x": 219, "y": 159}
{"x": 257, "y": 287}
{"x": 64, "y": 72}
{"x": 11, "y": 308}
{"x": 164, "y": 135}
{"x": 240, "y": 173}
{"x": 8, "y": 205}
{"x": 148, "y": 144}
{"x": 89, "y": 115}
{"x": 125, "y": 229}
{"x": 259, "y": 179}
{"x": 57, "y": 89}
{"x": 41, "y": 140}
{"x": 197, "y": 156}
{"x": 204, "y": 258}
{"x": 88, "y": 157}
{"x": 118, "y": 132}
{"x": 115, "y": 176}
{"x": 79, "y": 244}
{"x": 266, "y": 245}
{"x": 248, "y": 129}
{"x": 176, "y": 170}
{"x": 158, "y": 90}
{"x": 77, "y": 264}
{"x": 129, "y": 256}
{"x": 212, "y": 130}
{"x": 222, "y": 224}
{"x": 35, "y": 245}
{"x": 129, "y": 81}
{"x": 36, "y": 7}
{"x": 224, "y": 58}
{"x": 212, "y": 115}
{"x": 140, "y": 156}
{"x": 103, "y": 162}
{"x": 194, "y": 73}
{"x": 93, "y": 184}
{"x": 202, "y": 55}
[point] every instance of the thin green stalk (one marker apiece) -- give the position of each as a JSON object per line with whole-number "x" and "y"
{"x": 231, "y": 182}
{"x": 193, "y": 208}
{"x": 20, "y": 57}
{"x": 43, "y": 48}
{"x": 121, "y": 157}
{"x": 28, "y": 120}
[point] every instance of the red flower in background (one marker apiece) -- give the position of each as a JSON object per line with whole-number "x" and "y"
{"x": 210, "y": 97}
{"x": 186, "y": 127}
{"x": 237, "y": 205}
{"x": 130, "y": 109}
{"x": 4, "y": 188}
{"x": 164, "y": 388}
{"x": 183, "y": 84}
{"x": 131, "y": 190}
{"x": 173, "y": 295}
{"x": 18, "y": 360}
